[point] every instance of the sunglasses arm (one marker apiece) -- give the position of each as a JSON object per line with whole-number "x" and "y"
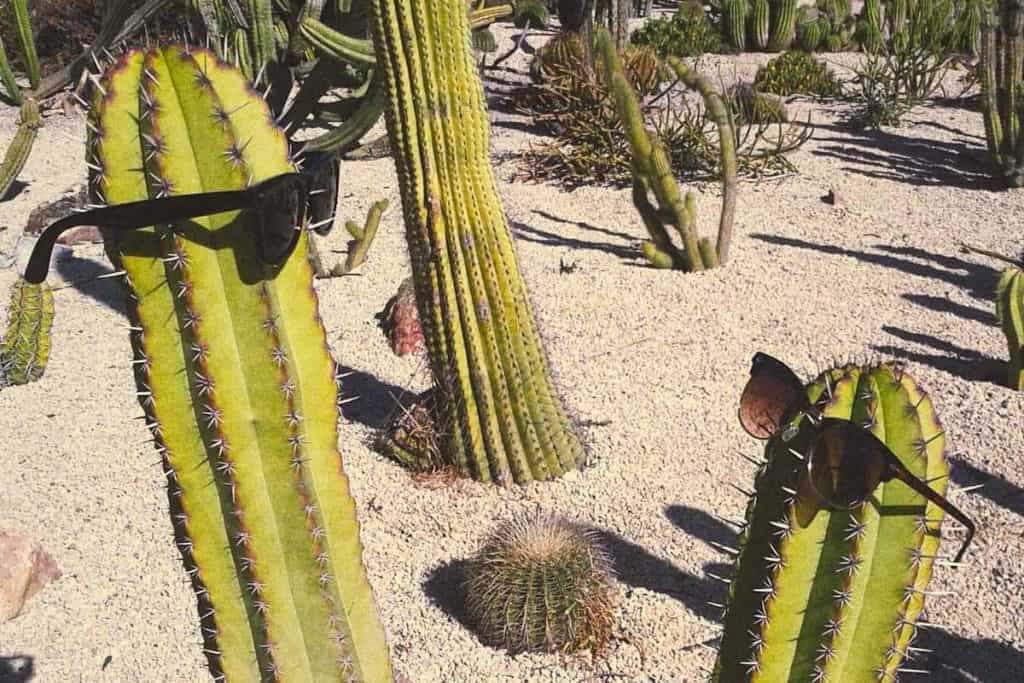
{"x": 133, "y": 215}
{"x": 913, "y": 482}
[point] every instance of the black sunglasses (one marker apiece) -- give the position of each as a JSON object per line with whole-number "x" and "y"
{"x": 277, "y": 204}
{"x": 845, "y": 461}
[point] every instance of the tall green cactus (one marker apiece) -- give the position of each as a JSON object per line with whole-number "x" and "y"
{"x": 652, "y": 171}
{"x": 735, "y": 19}
{"x": 827, "y": 595}
{"x": 896, "y": 14}
{"x": 869, "y": 27}
{"x": 1002, "y": 87}
{"x": 783, "y": 25}
{"x": 809, "y": 35}
{"x": 760, "y": 18}
{"x": 235, "y": 379}
{"x": 502, "y": 416}
{"x": 27, "y": 41}
{"x": 1010, "y": 309}
{"x": 25, "y": 347}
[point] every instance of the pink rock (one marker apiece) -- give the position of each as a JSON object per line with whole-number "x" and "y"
{"x": 24, "y": 569}
{"x": 401, "y": 321}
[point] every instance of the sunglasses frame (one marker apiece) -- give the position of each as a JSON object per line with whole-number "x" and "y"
{"x": 892, "y": 467}
{"x": 163, "y": 210}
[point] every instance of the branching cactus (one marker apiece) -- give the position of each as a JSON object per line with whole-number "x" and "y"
{"x": 835, "y": 595}
{"x": 652, "y": 172}
{"x": 235, "y": 378}
{"x": 496, "y": 399}
{"x": 1002, "y": 87}
{"x": 25, "y": 346}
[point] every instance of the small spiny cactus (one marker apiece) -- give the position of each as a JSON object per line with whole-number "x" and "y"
{"x": 541, "y": 582}
{"x": 25, "y": 347}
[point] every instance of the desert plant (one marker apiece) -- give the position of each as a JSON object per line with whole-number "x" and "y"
{"x": 688, "y": 33}
{"x": 358, "y": 247}
{"x": 756, "y": 108}
{"x": 760, "y": 22}
{"x": 1002, "y": 87}
{"x": 823, "y": 593}
{"x": 25, "y": 347}
{"x": 1010, "y": 311}
{"x": 797, "y": 73}
{"x": 809, "y": 35}
{"x": 541, "y": 582}
{"x": 734, "y": 23}
{"x": 652, "y": 172}
{"x": 29, "y": 123}
{"x": 502, "y": 417}
{"x": 234, "y": 377}
{"x": 783, "y": 30}
{"x": 870, "y": 27}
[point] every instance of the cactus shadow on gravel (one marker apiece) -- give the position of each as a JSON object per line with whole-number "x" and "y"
{"x": 443, "y": 587}
{"x": 959, "y": 660}
{"x": 964, "y": 363}
{"x": 530, "y": 233}
{"x": 377, "y": 401}
{"x": 82, "y": 273}
{"x": 995, "y": 487}
{"x": 16, "y": 668}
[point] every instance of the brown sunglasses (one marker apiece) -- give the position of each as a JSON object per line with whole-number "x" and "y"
{"x": 845, "y": 462}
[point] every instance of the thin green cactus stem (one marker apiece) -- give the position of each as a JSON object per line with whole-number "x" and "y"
{"x": 7, "y": 76}
{"x": 500, "y": 412}
{"x": 235, "y": 378}
{"x": 823, "y": 594}
{"x": 1010, "y": 309}
{"x": 25, "y": 347}
{"x": 27, "y": 41}
{"x": 29, "y": 123}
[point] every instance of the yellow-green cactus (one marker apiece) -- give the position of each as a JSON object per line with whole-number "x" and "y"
{"x": 498, "y": 406}
{"x": 25, "y": 347}
{"x": 1010, "y": 308}
{"x": 235, "y": 378}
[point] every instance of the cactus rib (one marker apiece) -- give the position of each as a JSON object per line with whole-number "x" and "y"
{"x": 29, "y": 123}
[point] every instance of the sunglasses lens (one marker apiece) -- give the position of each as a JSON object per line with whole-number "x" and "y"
{"x": 846, "y": 463}
{"x": 281, "y": 213}
{"x": 772, "y": 393}
{"x": 323, "y": 193}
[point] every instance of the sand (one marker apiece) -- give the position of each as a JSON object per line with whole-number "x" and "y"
{"x": 651, "y": 363}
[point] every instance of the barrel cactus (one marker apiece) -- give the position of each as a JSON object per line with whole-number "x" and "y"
{"x": 541, "y": 582}
{"x": 809, "y": 35}
{"x": 783, "y": 25}
{"x": 235, "y": 378}
{"x": 25, "y": 347}
{"x": 1010, "y": 308}
{"x": 760, "y": 17}
{"x": 822, "y": 594}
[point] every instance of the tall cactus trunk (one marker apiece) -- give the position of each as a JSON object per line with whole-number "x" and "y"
{"x": 502, "y": 416}
{"x": 783, "y": 25}
{"x": 235, "y": 379}
{"x": 1002, "y": 73}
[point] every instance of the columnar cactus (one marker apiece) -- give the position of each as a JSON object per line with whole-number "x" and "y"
{"x": 735, "y": 12}
{"x": 652, "y": 171}
{"x": 1002, "y": 87}
{"x": 29, "y": 123}
{"x": 1010, "y": 308}
{"x": 25, "y": 347}
{"x": 498, "y": 405}
{"x": 783, "y": 25}
{"x": 809, "y": 35}
{"x": 235, "y": 378}
{"x": 833, "y": 595}
{"x": 869, "y": 27}
{"x": 760, "y": 17}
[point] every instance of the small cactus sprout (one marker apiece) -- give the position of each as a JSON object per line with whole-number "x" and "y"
{"x": 541, "y": 582}
{"x": 25, "y": 347}
{"x": 823, "y": 592}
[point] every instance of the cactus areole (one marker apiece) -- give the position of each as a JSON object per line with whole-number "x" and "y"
{"x": 235, "y": 378}
{"x": 497, "y": 402}
{"x": 824, "y": 594}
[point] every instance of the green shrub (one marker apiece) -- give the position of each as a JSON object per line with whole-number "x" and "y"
{"x": 689, "y": 33}
{"x": 797, "y": 72}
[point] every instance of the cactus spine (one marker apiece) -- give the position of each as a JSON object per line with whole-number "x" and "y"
{"x": 29, "y": 123}
{"x": 652, "y": 171}
{"x": 496, "y": 398}
{"x": 1010, "y": 309}
{"x": 235, "y": 379}
{"x": 1002, "y": 87}
{"x": 834, "y": 595}
{"x": 759, "y": 22}
{"x": 783, "y": 25}
{"x": 25, "y": 347}
{"x": 736, "y": 23}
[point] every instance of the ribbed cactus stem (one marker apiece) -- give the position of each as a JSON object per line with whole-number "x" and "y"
{"x": 1010, "y": 309}
{"x": 497, "y": 402}
{"x": 7, "y": 76}
{"x": 1002, "y": 73}
{"x": 736, "y": 23}
{"x": 29, "y": 123}
{"x": 27, "y": 41}
{"x": 25, "y": 347}
{"x": 760, "y": 18}
{"x": 822, "y": 594}
{"x": 783, "y": 25}
{"x": 235, "y": 379}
